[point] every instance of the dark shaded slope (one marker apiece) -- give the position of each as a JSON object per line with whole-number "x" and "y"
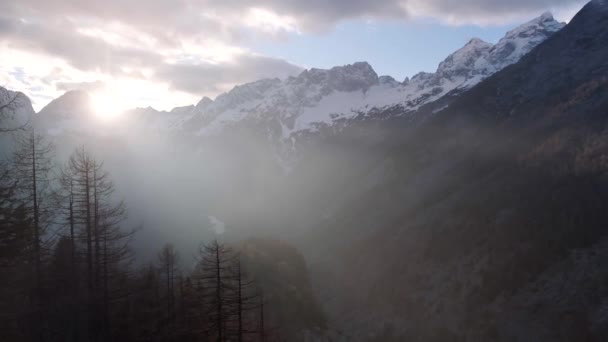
{"x": 486, "y": 209}
{"x": 570, "y": 64}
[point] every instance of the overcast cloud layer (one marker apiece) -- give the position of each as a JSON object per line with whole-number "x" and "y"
{"x": 190, "y": 48}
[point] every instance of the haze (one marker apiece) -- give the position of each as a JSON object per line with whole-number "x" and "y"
{"x": 395, "y": 170}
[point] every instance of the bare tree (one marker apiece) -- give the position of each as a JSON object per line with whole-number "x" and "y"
{"x": 214, "y": 281}
{"x": 92, "y": 206}
{"x": 15, "y": 247}
{"x": 243, "y": 300}
{"x": 229, "y": 299}
{"x": 32, "y": 162}
{"x": 14, "y": 238}
{"x": 262, "y": 324}
{"x": 168, "y": 259}
{"x": 76, "y": 181}
{"x": 64, "y": 202}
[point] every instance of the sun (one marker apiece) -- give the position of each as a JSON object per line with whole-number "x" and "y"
{"x": 107, "y": 105}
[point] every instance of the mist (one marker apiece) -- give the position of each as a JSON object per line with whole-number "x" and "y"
{"x": 285, "y": 203}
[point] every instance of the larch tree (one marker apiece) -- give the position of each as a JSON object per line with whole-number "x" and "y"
{"x": 261, "y": 322}
{"x": 168, "y": 259}
{"x": 15, "y": 256}
{"x": 14, "y": 234}
{"x": 243, "y": 300}
{"x": 91, "y": 205}
{"x": 65, "y": 206}
{"x": 32, "y": 168}
{"x": 76, "y": 181}
{"x": 213, "y": 280}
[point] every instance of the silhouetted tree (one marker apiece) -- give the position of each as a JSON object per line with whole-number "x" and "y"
{"x": 212, "y": 278}
{"x": 32, "y": 162}
{"x": 15, "y": 258}
{"x": 77, "y": 176}
{"x": 262, "y": 323}
{"x": 89, "y": 203}
{"x": 243, "y": 301}
{"x": 14, "y": 225}
{"x": 167, "y": 260}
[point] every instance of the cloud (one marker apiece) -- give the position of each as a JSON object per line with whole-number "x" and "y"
{"x": 60, "y": 39}
{"x": 168, "y": 19}
{"x": 487, "y": 12}
{"x": 91, "y": 51}
{"x": 195, "y": 46}
{"x": 192, "y": 77}
{"x": 85, "y": 86}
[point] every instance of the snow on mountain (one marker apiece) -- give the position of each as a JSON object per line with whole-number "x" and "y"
{"x": 319, "y": 97}
{"x": 316, "y": 97}
{"x": 522, "y": 39}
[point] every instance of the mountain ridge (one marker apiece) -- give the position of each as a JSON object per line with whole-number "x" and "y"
{"x": 324, "y": 97}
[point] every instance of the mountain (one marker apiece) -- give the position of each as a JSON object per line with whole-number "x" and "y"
{"x": 318, "y": 97}
{"x": 282, "y": 274}
{"x": 486, "y": 222}
{"x": 70, "y": 113}
{"x": 72, "y": 104}
{"x": 232, "y": 154}
{"x": 286, "y": 115}
{"x": 15, "y": 109}
{"x": 15, "y": 113}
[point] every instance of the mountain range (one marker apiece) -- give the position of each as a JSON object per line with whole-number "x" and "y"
{"x": 467, "y": 204}
{"x": 317, "y": 98}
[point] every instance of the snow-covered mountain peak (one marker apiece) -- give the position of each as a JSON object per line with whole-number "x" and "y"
{"x": 347, "y": 78}
{"x": 388, "y": 81}
{"x": 183, "y": 110}
{"x": 536, "y": 27}
{"x": 318, "y": 97}
{"x": 353, "y": 77}
{"x": 546, "y": 16}
{"x": 476, "y": 43}
{"x": 203, "y": 103}
{"x": 464, "y": 60}
{"x": 244, "y": 93}
{"x": 522, "y": 39}
{"x": 323, "y": 97}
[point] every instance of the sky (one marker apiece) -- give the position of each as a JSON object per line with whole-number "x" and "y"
{"x": 168, "y": 53}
